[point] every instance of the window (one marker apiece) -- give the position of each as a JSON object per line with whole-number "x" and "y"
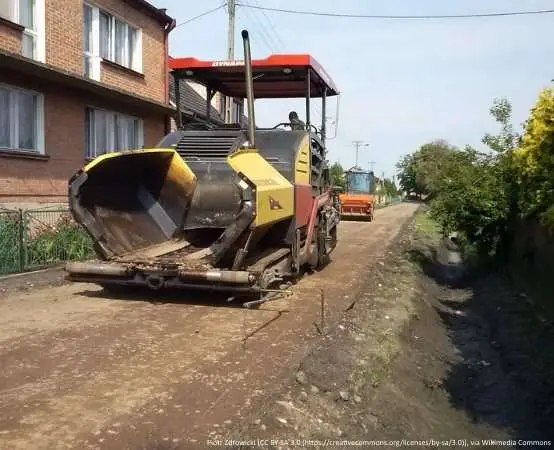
{"x": 88, "y": 40}
{"x": 110, "y": 38}
{"x": 107, "y": 131}
{"x": 358, "y": 182}
{"x": 21, "y": 119}
{"x": 29, "y": 14}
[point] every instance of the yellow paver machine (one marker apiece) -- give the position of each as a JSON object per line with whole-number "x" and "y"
{"x": 229, "y": 207}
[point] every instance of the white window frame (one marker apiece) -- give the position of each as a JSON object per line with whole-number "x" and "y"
{"x": 95, "y": 53}
{"x": 91, "y": 151}
{"x": 14, "y": 123}
{"x": 37, "y": 33}
{"x": 92, "y": 54}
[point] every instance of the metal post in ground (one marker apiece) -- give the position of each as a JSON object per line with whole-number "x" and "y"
{"x": 21, "y": 237}
{"x": 322, "y": 296}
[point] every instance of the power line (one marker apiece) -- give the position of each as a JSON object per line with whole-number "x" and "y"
{"x": 271, "y": 26}
{"x": 267, "y": 38}
{"x": 203, "y": 14}
{"x": 372, "y": 16}
{"x": 261, "y": 31}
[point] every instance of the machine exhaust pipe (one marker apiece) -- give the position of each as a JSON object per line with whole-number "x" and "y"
{"x": 249, "y": 88}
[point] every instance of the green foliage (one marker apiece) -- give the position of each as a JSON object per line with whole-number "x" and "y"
{"x": 467, "y": 190}
{"x": 389, "y": 188}
{"x": 421, "y": 171}
{"x": 63, "y": 242}
{"x": 506, "y": 140}
{"x": 426, "y": 224}
{"x": 482, "y": 195}
{"x": 46, "y": 245}
{"x": 407, "y": 176}
{"x": 9, "y": 240}
{"x": 470, "y": 199}
{"x": 337, "y": 175}
{"x": 534, "y": 160}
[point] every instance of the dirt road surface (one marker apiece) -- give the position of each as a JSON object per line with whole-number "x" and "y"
{"x": 81, "y": 369}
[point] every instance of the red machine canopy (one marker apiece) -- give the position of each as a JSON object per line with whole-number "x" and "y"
{"x": 277, "y": 76}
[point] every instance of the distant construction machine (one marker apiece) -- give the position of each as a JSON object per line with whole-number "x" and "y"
{"x": 215, "y": 207}
{"x": 357, "y": 202}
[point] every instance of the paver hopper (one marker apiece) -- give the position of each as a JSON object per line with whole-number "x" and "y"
{"x": 220, "y": 207}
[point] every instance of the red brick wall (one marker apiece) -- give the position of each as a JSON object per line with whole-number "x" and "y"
{"x": 153, "y": 54}
{"x": 10, "y": 38}
{"x": 64, "y": 45}
{"x": 154, "y": 131}
{"x": 64, "y": 35}
{"x": 35, "y": 180}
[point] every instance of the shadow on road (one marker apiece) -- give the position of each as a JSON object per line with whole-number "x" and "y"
{"x": 165, "y": 296}
{"x": 504, "y": 373}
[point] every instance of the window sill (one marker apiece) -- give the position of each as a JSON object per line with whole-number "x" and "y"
{"x": 22, "y": 154}
{"x": 122, "y": 68}
{"x": 11, "y": 24}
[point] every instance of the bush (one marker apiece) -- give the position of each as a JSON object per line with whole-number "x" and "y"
{"x": 65, "y": 241}
{"x": 534, "y": 161}
{"x": 48, "y": 244}
{"x": 9, "y": 242}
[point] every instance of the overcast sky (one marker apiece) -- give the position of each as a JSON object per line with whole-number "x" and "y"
{"x": 402, "y": 82}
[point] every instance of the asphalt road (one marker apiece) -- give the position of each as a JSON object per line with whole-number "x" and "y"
{"x": 81, "y": 370}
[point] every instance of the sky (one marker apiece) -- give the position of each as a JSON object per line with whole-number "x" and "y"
{"x": 402, "y": 82}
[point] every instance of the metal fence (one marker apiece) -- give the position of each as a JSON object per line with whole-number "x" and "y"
{"x": 385, "y": 200}
{"x": 34, "y": 239}
{"x": 38, "y": 238}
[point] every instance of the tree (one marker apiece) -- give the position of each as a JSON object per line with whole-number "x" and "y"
{"x": 471, "y": 200}
{"x": 506, "y": 140}
{"x": 407, "y": 176}
{"x": 432, "y": 160}
{"x": 534, "y": 160}
{"x": 390, "y": 188}
{"x": 337, "y": 175}
{"x": 421, "y": 172}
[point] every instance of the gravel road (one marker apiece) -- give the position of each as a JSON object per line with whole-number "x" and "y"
{"x": 80, "y": 369}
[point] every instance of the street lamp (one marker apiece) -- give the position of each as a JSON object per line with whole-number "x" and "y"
{"x": 359, "y": 144}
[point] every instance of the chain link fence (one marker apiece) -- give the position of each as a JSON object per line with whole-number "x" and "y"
{"x": 39, "y": 238}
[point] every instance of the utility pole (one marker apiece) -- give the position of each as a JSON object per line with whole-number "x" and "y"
{"x": 230, "y": 55}
{"x": 371, "y": 166}
{"x": 359, "y": 144}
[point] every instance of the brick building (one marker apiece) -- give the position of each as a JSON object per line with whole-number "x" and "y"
{"x": 77, "y": 78}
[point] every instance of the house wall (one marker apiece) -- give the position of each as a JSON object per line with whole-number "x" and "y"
{"x": 10, "y": 37}
{"x": 65, "y": 43}
{"x": 151, "y": 83}
{"x": 64, "y": 35}
{"x": 27, "y": 179}
{"x": 63, "y": 29}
